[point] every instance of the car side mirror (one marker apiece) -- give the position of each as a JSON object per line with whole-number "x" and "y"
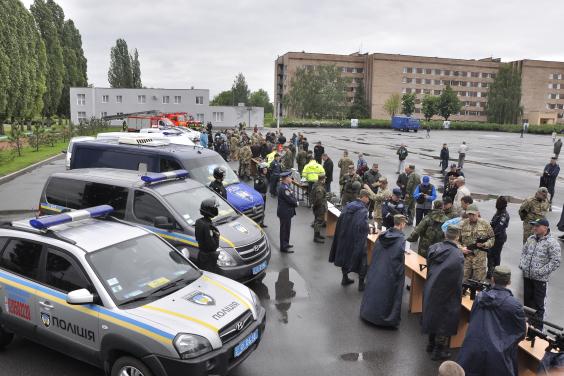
{"x": 186, "y": 253}
{"x": 163, "y": 223}
{"x": 64, "y": 151}
{"x": 82, "y": 296}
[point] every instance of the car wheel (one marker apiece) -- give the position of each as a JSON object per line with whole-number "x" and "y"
{"x": 128, "y": 366}
{"x": 5, "y": 337}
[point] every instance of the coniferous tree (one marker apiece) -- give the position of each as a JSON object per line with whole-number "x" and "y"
{"x": 120, "y": 74}
{"x": 359, "y": 108}
{"x": 136, "y": 69}
{"x": 240, "y": 90}
{"x": 504, "y": 97}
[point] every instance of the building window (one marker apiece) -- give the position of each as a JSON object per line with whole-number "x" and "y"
{"x": 437, "y": 82}
{"x": 404, "y": 80}
{"x": 119, "y": 99}
{"x": 199, "y": 100}
{"x": 81, "y": 116}
{"x": 419, "y": 70}
{"x": 166, "y": 99}
{"x": 81, "y": 99}
{"x": 417, "y": 91}
{"x": 350, "y": 70}
{"x": 437, "y": 92}
{"x": 141, "y": 99}
{"x": 403, "y": 90}
{"x": 493, "y": 75}
{"x": 103, "y": 114}
{"x": 408, "y": 91}
{"x": 475, "y": 74}
{"x": 119, "y": 113}
{"x": 428, "y": 81}
{"x": 217, "y": 117}
{"x": 426, "y": 91}
{"x": 200, "y": 117}
{"x": 551, "y": 106}
{"x": 177, "y": 99}
{"x": 428, "y": 71}
{"x": 461, "y": 93}
{"x": 418, "y": 81}
{"x": 359, "y": 70}
{"x": 560, "y": 106}
{"x": 437, "y": 72}
{"x": 408, "y": 70}
{"x": 105, "y": 98}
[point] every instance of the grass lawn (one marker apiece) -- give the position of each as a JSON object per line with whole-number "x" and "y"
{"x": 29, "y": 157}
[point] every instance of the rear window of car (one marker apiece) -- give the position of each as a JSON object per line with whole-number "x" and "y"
{"x": 76, "y": 194}
{"x": 85, "y": 157}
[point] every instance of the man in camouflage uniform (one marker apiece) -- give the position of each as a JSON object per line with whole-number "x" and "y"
{"x": 429, "y": 231}
{"x": 532, "y": 209}
{"x": 350, "y": 190}
{"x": 448, "y": 208}
{"x": 476, "y": 237}
{"x": 287, "y": 159}
{"x": 301, "y": 159}
{"x": 379, "y": 198}
{"x": 234, "y": 147}
{"x": 245, "y": 156}
{"x": 319, "y": 205}
{"x": 413, "y": 180}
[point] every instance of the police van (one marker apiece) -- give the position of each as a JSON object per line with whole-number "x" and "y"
{"x": 167, "y": 204}
{"x": 160, "y": 155}
{"x": 121, "y": 298}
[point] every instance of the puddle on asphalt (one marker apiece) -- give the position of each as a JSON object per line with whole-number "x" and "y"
{"x": 487, "y": 197}
{"x": 286, "y": 285}
{"x": 367, "y": 356}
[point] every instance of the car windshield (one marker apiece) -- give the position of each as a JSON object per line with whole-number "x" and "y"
{"x": 141, "y": 269}
{"x": 201, "y": 169}
{"x": 187, "y": 204}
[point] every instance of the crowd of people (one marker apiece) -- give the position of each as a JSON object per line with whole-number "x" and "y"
{"x": 457, "y": 242}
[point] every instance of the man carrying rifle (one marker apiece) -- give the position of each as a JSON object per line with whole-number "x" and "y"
{"x": 497, "y": 325}
{"x": 476, "y": 237}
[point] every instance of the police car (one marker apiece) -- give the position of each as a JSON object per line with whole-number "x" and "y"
{"x": 167, "y": 204}
{"x": 121, "y": 298}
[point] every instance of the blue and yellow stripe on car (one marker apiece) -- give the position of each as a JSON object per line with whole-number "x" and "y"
{"x": 90, "y": 309}
{"x": 47, "y": 208}
{"x": 238, "y": 297}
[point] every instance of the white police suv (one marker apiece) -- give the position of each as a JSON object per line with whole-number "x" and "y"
{"x": 121, "y": 298}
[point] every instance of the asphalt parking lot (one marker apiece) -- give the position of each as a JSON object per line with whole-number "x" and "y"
{"x": 313, "y": 326}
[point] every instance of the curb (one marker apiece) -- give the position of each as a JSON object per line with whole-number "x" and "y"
{"x": 13, "y": 175}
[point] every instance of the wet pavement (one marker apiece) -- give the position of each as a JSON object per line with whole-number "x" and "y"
{"x": 313, "y": 326}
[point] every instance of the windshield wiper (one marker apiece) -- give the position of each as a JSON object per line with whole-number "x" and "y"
{"x": 160, "y": 289}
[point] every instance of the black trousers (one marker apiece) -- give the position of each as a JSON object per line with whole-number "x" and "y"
{"x": 328, "y": 187}
{"x": 285, "y": 227}
{"x": 274, "y": 184}
{"x": 419, "y": 214}
{"x": 494, "y": 253}
{"x": 534, "y": 296}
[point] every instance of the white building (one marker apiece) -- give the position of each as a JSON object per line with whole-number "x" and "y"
{"x": 87, "y": 102}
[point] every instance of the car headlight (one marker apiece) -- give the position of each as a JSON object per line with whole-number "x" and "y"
{"x": 224, "y": 258}
{"x": 190, "y": 345}
{"x": 256, "y": 301}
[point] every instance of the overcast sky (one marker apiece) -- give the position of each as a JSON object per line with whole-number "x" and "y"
{"x": 184, "y": 43}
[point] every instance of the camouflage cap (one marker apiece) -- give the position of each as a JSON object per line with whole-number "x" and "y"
{"x": 542, "y": 190}
{"x": 502, "y": 275}
{"x": 453, "y": 230}
{"x": 472, "y": 209}
{"x": 399, "y": 218}
{"x": 438, "y": 204}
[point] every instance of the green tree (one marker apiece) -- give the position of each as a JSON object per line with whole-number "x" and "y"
{"x": 392, "y": 104}
{"x": 318, "y": 93}
{"x": 359, "y": 108}
{"x": 504, "y": 98}
{"x": 408, "y": 104}
{"x": 16, "y": 138}
{"x": 240, "y": 90}
{"x": 22, "y": 63}
{"x": 49, "y": 18}
{"x": 429, "y": 106}
{"x": 260, "y": 98}
{"x": 136, "y": 69}
{"x": 75, "y": 74}
{"x": 225, "y": 98}
{"x": 448, "y": 103}
{"x": 120, "y": 74}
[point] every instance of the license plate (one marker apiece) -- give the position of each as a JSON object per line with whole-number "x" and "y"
{"x": 246, "y": 343}
{"x": 259, "y": 268}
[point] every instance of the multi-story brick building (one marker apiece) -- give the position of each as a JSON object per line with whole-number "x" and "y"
{"x": 386, "y": 74}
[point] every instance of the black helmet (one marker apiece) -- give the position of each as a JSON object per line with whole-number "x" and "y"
{"x": 219, "y": 173}
{"x": 208, "y": 207}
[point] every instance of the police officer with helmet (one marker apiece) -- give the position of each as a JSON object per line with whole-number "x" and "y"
{"x": 217, "y": 184}
{"x": 207, "y": 235}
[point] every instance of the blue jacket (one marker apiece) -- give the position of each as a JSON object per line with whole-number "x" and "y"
{"x": 287, "y": 203}
{"x": 497, "y": 325}
{"x": 204, "y": 139}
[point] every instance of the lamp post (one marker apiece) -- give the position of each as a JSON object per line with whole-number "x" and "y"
{"x": 250, "y": 109}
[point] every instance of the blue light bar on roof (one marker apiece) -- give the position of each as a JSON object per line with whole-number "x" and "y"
{"x": 161, "y": 176}
{"x": 72, "y": 216}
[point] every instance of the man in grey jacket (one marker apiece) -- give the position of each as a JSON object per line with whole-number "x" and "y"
{"x": 540, "y": 257}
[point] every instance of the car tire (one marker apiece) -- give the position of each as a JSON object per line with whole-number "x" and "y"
{"x": 5, "y": 337}
{"x": 127, "y": 365}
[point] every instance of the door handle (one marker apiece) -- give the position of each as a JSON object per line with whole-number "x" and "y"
{"x": 46, "y": 305}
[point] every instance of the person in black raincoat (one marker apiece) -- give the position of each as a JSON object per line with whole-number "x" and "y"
{"x": 381, "y": 303}
{"x": 442, "y": 294}
{"x": 497, "y": 325}
{"x": 348, "y": 250}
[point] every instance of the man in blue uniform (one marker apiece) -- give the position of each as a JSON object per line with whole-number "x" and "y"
{"x": 287, "y": 204}
{"x": 497, "y": 325}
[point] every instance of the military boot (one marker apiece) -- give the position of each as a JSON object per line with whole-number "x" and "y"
{"x": 361, "y": 284}
{"x": 346, "y": 280}
{"x": 440, "y": 352}
{"x": 431, "y": 343}
{"x": 317, "y": 238}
